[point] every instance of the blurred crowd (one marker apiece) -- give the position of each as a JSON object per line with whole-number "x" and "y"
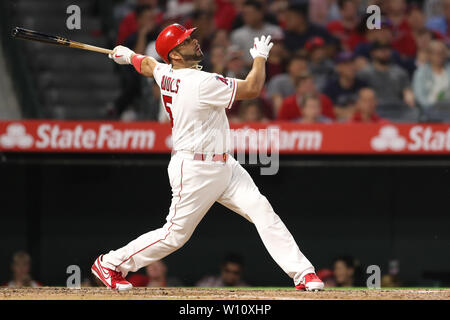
{"x": 344, "y": 271}
{"x": 326, "y": 64}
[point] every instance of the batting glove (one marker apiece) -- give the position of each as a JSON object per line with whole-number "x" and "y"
{"x": 121, "y": 55}
{"x": 262, "y": 47}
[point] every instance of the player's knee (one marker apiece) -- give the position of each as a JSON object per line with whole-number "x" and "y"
{"x": 178, "y": 238}
{"x": 260, "y": 203}
{"x": 260, "y": 211}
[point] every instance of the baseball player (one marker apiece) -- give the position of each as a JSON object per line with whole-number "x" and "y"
{"x": 201, "y": 170}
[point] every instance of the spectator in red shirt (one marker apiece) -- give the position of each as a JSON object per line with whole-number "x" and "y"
{"x": 148, "y": 31}
{"x": 278, "y": 9}
{"x": 127, "y": 27}
{"x": 366, "y": 107}
{"x": 225, "y": 14}
{"x": 312, "y": 111}
{"x": 129, "y": 24}
{"x": 283, "y": 85}
{"x": 327, "y": 276}
{"x": 347, "y": 28}
{"x": 403, "y": 39}
{"x": 305, "y": 86}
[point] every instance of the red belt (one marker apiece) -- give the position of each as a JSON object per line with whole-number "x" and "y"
{"x": 202, "y": 157}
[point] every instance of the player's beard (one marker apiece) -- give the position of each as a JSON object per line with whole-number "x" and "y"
{"x": 196, "y": 57}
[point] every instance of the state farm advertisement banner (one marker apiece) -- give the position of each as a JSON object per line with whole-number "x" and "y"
{"x": 68, "y": 136}
{"x": 288, "y": 138}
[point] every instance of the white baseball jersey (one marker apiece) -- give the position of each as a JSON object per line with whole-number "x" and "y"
{"x": 195, "y": 102}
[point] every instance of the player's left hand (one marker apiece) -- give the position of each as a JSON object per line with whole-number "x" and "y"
{"x": 261, "y": 47}
{"x": 121, "y": 55}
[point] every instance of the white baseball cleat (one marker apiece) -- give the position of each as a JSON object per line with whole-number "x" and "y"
{"x": 310, "y": 282}
{"x": 110, "y": 278}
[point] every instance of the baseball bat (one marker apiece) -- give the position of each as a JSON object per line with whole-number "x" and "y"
{"x": 25, "y": 34}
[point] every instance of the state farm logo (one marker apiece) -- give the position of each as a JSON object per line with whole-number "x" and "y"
{"x": 63, "y": 136}
{"x": 16, "y": 136}
{"x": 388, "y": 139}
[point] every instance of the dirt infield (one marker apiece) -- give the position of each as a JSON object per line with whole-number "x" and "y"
{"x": 49, "y": 293}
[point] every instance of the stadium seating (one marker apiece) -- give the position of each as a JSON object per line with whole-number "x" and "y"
{"x": 398, "y": 112}
{"x": 440, "y": 112}
{"x": 72, "y": 84}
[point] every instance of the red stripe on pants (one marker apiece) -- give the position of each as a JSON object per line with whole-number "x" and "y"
{"x": 179, "y": 195}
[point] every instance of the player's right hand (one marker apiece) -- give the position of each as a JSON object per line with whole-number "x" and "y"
{"x": 121, "y": 55}
{"x": 261, "y": 47}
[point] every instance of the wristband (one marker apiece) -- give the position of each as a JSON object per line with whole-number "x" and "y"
{"x": 137, "y": 62}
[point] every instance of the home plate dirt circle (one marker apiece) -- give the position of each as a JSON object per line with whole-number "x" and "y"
{"x": 52, "y": 293}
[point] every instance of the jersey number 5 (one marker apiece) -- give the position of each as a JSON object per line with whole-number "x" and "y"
{"x": 167, "y": 100}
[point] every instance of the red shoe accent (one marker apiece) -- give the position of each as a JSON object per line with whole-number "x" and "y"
{"x": 110, "y": 278}
{"x": 310, "y": 282}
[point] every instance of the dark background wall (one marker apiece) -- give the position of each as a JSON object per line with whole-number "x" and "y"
{"x": 70, "y": 213}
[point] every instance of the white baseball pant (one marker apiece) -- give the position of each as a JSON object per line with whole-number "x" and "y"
{"x": 196, "y": 186}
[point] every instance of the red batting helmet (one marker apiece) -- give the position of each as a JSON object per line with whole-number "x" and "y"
{"x": 169, "y": 38}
